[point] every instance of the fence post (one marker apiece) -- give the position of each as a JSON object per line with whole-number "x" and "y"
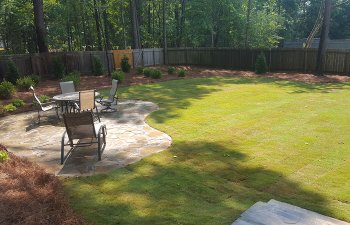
{"x": 154, "y": 60}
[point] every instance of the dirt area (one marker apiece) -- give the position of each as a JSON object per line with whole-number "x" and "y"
{"x": 51, "y": 87}
{"x": 30, "y": 196}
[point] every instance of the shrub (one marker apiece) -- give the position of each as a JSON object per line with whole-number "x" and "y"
{"x": 261, "y": 65}
{"x": 12, "y": 73}
{"x": 42, "y": 99}
{"x": 125, "y": 64}
{"x": 3, "y": 155}
{"x": 18, "y": 103}
{"x": 171, "y": 70}
{"x": 96, "y": 66}
{"x": 2, "y": 110}
{"x": 139, "y": 70}
{"x": 7, "y": 89}
{"x": 118, "y": 75}
{"x": 24, "y": 83}
{"x": 147, "y": 72}
{"x": 10, "y": 108}
{"x": 73, "y": 76}
{"x": 156, "y": 74}
{"x": 181, "y": 73}
{"x": 58, "y": 67}
{"x": 35, "y": 79}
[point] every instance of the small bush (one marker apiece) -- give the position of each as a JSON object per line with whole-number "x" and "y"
{"x": 2, "y": 110}
{"x": 118, "y": 75}
{"x": 24, "y": 83}
{"x": 171, "y": 70}
{"x": 147, "y": 72}
{"x": 73, "y": 76}
{"x": 181, "y": 73}
{"x": 35, "y": 79}
{"x": 42, "y": 99}
{"x": 125, "y": 64}
{"x": 7, "y": 89}
{"x": 12, "y": 73}
{"x": 156, "y": 74}
{"x": 3, "y": 155}
{"x": 58, "y": 67}
{"x": 10, "y": 108}
{"x": 18, "y": 103}
{"x": 261, "y": 65}
{"x": 139, "y": 70}
{"x": 96, "y": 66}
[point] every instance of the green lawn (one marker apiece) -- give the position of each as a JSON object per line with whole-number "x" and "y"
{"x": 236, "y": 141}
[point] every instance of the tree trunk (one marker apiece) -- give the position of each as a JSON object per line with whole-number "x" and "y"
{"x": 106, "y": 27}
{"x": 40, "y": 25}
{"x": 249, "y": 9}
{"x": 182, "y": 21}
{"x": 135, "y": 25}
{"x": 321, "y": 54}
{"x": 165, "y": 45}
{"x": 98, "y": 29}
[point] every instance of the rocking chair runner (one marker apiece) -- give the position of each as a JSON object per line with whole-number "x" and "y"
{"x": 81, "y": 131}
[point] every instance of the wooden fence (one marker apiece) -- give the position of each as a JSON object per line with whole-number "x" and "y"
{"x": 148, "y": 57}
{"x": 300, "y": 60}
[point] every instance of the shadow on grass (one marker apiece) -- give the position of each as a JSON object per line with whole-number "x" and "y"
{"x": 178, "y": 94}
{"x": 206, "y": 183}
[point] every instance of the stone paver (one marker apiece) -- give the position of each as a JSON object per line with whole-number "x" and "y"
{"x": 129, "y": 139}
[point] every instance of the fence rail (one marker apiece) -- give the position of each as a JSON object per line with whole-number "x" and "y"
{"x": 279, "y": 59}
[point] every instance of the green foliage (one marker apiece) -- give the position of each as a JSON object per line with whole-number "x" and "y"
{"x": 10, "y": 108}
{"x": 97, "y": 66}
{"x": 7, "y": 89}
{"x": 260, "y": 64}
{"x": 18, "y": 103}
{"x": 3, "y": 155}
{"x": 171, "y": 70}
{"x": 73, "y": 76}
{"x": 58, "y": 67}
{"x": 181, "y": 73}
{"x": 139, "y": 70}
{"x": 42, "y": 99}
{"x": 24, "y": 83}
{"x": 156, "y": 74}
{"x": 12, "y": 73}
{"x": 36, "y": 79}
{"x": 118, "y": 75}
{"x": 2, "y": 110}
{"x": 147, "y": 72}
{"x": 125, "y": 64}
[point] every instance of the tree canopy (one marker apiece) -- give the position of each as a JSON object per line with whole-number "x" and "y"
{"x": 94, "y": 24}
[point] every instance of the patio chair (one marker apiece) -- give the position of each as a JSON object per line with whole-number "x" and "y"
{"x": 82, "y": 132}
{"x": 44, "y": 107}
{"x": 67, "y": 87}
{"x": 87, "y": 103}
{"x": 107, "y": 103}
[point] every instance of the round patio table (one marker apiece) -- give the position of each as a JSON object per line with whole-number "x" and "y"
{"x": 66, "y": 98}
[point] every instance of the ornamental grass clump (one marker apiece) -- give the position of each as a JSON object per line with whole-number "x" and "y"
{"x": 12, "y": 73}
{"x": 73, "y": 76}
{"x": 171, "y": 70}
{"x": 7, "y": 89}
{"x": 125, "y": 64}
{"x": 24, "y": 83}
{"x": 118, "y": 75}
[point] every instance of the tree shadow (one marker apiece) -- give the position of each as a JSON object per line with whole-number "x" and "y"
{"x": 206, "y": 183}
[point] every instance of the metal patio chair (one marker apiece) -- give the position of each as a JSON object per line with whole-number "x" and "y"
{"x": 112, "y": 97}
{"x": 44, "y": 107}
{"x": 67, "y": 87}
{"x": 87, "y": 103}
{"x": 82, "y": 131}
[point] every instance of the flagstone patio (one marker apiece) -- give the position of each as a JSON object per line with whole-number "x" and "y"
{"x": 129, "y": 139}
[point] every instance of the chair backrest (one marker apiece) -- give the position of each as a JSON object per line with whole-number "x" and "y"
{"x": 86, "y": 100}
{"x": 79, "y": 125}
{"x": 113, "y": 90}
{"x": 67, "y": 87}
{"x": 35, "y": 97}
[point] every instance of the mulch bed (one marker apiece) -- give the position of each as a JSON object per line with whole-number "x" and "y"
{"x": 30, "y": 196}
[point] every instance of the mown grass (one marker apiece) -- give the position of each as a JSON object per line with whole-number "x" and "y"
{"x": 236, "y": 141}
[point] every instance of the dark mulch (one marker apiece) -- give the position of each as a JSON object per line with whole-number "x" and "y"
{"x": 51, "y": 87}
{"x": 30, "y": 196}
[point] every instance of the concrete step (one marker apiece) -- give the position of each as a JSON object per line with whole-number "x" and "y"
{"x": 279, "y": 213}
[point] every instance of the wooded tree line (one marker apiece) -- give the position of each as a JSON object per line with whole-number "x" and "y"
{"x": 76, "y": 25}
